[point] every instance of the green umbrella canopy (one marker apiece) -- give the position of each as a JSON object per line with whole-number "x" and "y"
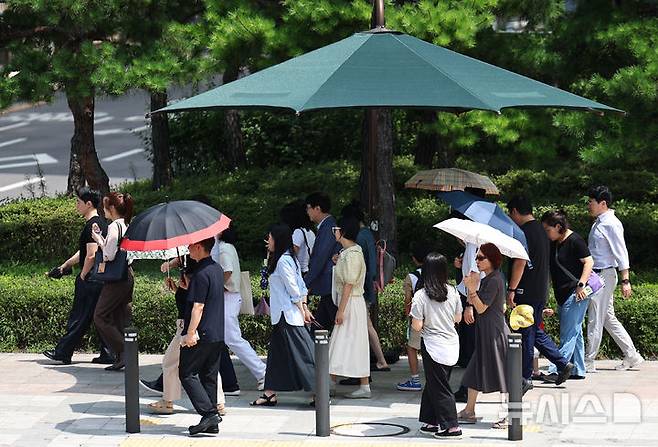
{"x": 385, "y": 69}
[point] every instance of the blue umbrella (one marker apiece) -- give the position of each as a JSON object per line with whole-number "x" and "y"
{"x": 483, "y": 211}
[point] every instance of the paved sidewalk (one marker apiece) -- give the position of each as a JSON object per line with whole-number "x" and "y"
{"x": 81, "y": 404}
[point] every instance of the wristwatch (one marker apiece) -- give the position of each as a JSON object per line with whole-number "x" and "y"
{"x": 580, "y": 285}
{"x": 625, "y": 281}
{"x": 509, "y": 289}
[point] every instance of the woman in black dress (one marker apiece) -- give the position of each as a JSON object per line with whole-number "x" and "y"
{"x": 486, "y": 370}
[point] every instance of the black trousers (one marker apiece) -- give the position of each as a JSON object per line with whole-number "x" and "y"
{"x": 82, "y": 314}
{"x": 227, "y": 371}
{"x": 466, "y": 339}
{"x": 437, "y": 405}
{"x": 197, "y": 370}
{"x": 325, "y": 314}
{"x": 535, "y": 337}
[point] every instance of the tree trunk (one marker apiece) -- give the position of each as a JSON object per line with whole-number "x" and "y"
{"x": 84, "y": 164}
{"x": 234, "y": 144}
{"x": 427, "y": 144}
{"x": 376, "y": 183}
{"x": 162, "y": 174}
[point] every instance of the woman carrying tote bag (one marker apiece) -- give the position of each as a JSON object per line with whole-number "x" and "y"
{"x": 113, "y": 310}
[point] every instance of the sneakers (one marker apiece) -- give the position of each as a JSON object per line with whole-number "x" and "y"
{"x": 151, "y": 386}
{"x": 235, "y": 392}
{"x": 360, "y": 393}
{"x": 260, "y": 386}
{"x": 563, "y": 375}
{"x": 590, "y": 368}
{"x": 410, "y": 385}
{"x": 630, "y": 363}
{"x": 52, "y": 356}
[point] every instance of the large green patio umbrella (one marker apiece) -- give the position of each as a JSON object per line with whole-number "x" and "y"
{"x": 383, "y": 68}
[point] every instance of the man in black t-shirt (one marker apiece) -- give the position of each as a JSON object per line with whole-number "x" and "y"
{"x": 86, "y": 292}
{"x": 203, "y": 337}
{"x": 528, "y": 284}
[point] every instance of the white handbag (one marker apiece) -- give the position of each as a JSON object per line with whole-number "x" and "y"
{"x": 247, "y": 305}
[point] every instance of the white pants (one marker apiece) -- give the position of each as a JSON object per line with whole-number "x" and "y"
{"x": 233, "y": 336}
{"x": 170, "y": 382}
{"x": 600, "y": 315}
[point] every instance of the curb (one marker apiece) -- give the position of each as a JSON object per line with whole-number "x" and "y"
{"x": 19, "y": 107}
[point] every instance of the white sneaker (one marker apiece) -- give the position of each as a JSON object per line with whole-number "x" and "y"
{"x": 261, "y": 384}
{"x": 630, "y": 363}
{"x": 590, "y": 368}
{"x": 359, "y": 393}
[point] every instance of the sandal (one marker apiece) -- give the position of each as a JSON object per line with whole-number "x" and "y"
{"x": 267, "y": 401}
{"x": 500, "y": 425}
{"x": 161, "y": 407}
{"x": 466, "y": 418}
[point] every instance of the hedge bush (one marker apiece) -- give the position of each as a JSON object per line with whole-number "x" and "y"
{"x": 35, "y": 310}
{"x": 46, "y": 230}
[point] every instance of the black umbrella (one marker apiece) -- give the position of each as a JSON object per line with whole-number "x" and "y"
{"x": 173, "y": 224}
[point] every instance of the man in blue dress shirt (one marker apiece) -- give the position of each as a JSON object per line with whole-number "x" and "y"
{"x": 608, "y": 248}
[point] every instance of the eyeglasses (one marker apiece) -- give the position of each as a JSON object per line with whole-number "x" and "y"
{"x": 480, "y": 258}
{"x": 334, "y": 229}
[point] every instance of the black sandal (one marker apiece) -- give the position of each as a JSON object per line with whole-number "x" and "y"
{"x": 268, "y": 402}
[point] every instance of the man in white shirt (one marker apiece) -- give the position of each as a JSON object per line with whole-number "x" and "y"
{"x": 608, "y": 248}
{"x": 224, "y": 254}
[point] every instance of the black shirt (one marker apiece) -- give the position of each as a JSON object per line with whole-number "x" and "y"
{"x": 570, "y": 252}
{"x": 207, "y": 287}
{"x": 181, "y": 294}
{"x": 85, "y": 236}
{"x": 533, "y": 287}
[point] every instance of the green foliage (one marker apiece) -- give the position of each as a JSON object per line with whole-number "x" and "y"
{"x": 35, "y": 310}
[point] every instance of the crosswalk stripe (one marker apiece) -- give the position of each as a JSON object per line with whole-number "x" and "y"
{"x": 13, "y": 126}
{"x": 10, "y": 142}
{"x": 19, "y": 184}
{"x": 123, "y": 154}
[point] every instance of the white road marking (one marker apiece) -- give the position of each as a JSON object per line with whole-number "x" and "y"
{"x": 103, "y": 120}
{"x": 135, "y": 118}
{"x": 42, "y": 159}
{"x": 139, "y": 129}
{"x": 19, "y": 184}
{"x": 10, "y": 142}
{"x": 14, "y": 126}
{"x": 123, "y": 154}
{"x": 119, "y": 131}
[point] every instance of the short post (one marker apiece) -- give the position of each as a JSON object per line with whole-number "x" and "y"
{"x": 514, "y": 387}
{"x": 131, "y": 379}
{"x": 322, "y": 424}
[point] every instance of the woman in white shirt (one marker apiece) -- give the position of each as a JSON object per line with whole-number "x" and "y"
{"x": 435, "y": 309}
{"x": 290, "y": 355}
{"x": 113, "y": 310}
{"x": 294, "y": 215}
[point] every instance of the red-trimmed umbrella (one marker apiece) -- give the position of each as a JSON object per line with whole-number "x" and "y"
{"x": 172, "y": 224}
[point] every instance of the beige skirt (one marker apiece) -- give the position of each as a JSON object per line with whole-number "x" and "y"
{"x": 349, "y": 354}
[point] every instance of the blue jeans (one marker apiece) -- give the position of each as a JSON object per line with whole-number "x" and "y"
{"x": 572, "y": 342}
{"x": 534, "y": 337}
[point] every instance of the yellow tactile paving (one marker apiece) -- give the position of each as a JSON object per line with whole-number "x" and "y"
{"x": 311, "y": 442}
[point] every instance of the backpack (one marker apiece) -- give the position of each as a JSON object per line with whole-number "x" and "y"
{"x": 386, "y": 264}
{"x": 419, "y": 280}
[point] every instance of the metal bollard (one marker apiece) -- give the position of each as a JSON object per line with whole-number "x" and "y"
{"x": 514, "y": 387}
{"x": 131, "y": 379}
{"x": 322, "y": 424}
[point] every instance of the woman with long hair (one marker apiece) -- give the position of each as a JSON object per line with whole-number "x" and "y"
{"x": 113, "y": 310}
{"x": 485, "y": 372}
{"x": 290, "y": 358}
{"x": 348, "y": 347}
{"x": 571, "y": 266}
{"x": 435, "y": 309}
{"x": 303, "y": 238}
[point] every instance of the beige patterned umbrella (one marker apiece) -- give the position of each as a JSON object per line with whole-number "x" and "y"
{"x": 450, "y": 179}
